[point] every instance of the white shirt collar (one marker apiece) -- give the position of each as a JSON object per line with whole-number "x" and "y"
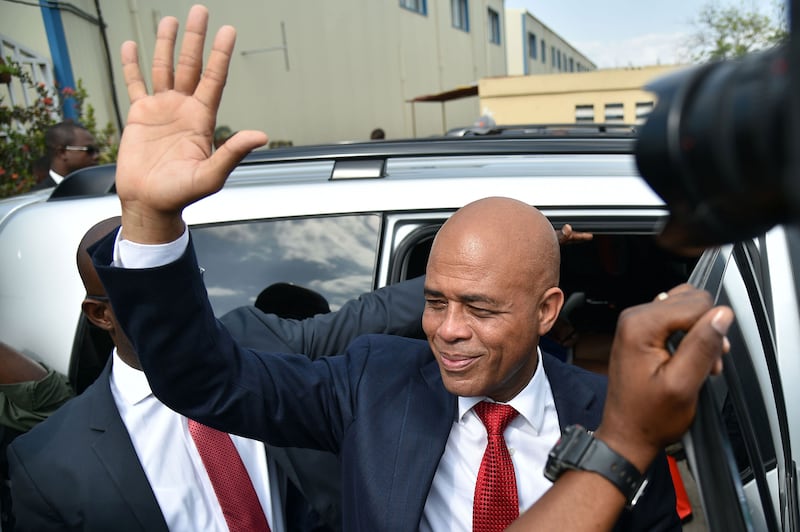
{"x": 58, "y": 178}
{"x": 131, "y": 382}
{"x": 530, "y": 402}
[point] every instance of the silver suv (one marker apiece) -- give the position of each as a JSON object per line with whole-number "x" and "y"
{"x": 347, "y": 218}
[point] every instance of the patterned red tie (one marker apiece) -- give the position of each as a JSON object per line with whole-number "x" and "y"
{"x": 232, "y": 484}
{"x": 496, "y": 503}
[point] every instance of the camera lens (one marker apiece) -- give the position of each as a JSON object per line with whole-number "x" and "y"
{"x": 715, "y": 148}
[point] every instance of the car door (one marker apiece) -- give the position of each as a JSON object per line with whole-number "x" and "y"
{"x": 739, "y": 446}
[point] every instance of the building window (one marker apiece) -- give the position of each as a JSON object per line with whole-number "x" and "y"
{"x": 614, "y": 113}
{"x": 553, "y": 56}
{"x": 460, "y": 14}
{"x": 418, "y": 6}
{"x": 643, "y": 110}
{"x": 494, "y": 26}
{"x": 571, "y": 65}
{"x": 558, "y": 59}
{"x": 544, "y": 52}
{"x": 584, "y": 113}
{"x": 532, "y": 46}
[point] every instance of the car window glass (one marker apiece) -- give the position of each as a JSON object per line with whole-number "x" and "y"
{"x": 333, "y": 255}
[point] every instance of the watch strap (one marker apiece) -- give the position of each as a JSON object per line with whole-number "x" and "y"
{"x": 601, "y": 459}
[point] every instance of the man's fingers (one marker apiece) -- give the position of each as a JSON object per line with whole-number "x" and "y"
{"x": 131, "y": 72}
{"x": 190, "y": 60}
{"x": 681, "y": 288}
{"x": 701, "y": 349}
{"x": 209, "y": 91}
{"x": 162, "y": 70}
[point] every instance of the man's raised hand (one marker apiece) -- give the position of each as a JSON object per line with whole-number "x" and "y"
{"x": 165, "y": 160}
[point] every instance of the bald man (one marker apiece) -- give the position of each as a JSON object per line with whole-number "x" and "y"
{"x": 401, "y": 413}
{"x": 405, "y": 416}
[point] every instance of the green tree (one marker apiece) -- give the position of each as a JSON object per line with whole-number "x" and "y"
{"x": 726, "y": 32}
{"x": 22, "y": 127}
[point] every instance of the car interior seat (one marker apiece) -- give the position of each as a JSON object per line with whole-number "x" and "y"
{"x": 90, "y": 181}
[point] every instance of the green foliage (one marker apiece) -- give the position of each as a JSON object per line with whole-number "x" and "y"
{"x": 726, "y": 32}
{"x": 22, "y": 128}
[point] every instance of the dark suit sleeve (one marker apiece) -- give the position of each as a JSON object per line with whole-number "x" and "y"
{"x": 396, "y": 309}
{"x": 196, "y": 368}
{"x": 30, "y": 508}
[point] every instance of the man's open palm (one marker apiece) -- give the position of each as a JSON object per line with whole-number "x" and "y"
{"x": 165, "y": 160}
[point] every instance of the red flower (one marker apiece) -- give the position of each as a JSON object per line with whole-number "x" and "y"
{"x": 2, "y": 171}
{"x": 68, "y": 91}
{"x": 47, "y": 100}
{"x": 14, "y": 175}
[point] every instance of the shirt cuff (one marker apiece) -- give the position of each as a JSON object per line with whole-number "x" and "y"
{"x": 132, "y": 255}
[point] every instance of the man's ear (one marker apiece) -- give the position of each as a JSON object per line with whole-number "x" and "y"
{"x": 97, "y": 312}
{"x": 549, "y": 308}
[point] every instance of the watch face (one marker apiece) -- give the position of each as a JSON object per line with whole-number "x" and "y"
{"x": 552, "y": 468}
{"x": 567, "y": 452}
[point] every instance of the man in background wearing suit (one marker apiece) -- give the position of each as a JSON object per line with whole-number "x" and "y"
{"x": 403, "y": 414}
{"x": 70, "y": 147}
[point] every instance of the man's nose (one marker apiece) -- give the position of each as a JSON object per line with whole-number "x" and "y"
{"x": 454, "y": 325}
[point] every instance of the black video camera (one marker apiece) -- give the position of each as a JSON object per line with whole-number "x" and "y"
{"x": 721, "y": 147}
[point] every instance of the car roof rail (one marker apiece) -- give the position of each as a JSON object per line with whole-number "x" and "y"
{"x": 86, "y": 182}
{"x": 566, "y": 129}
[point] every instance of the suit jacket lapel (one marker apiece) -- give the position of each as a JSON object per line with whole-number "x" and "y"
{"x": 421, "y": 445}
{"x": 115, "y": 451}
{"x": 577, "y": 399}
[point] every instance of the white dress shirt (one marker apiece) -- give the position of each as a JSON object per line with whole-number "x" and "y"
{"x": 529, "y": 438}
{"x": 162, "y": 440}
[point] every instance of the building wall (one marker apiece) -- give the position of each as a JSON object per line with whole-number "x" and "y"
{"x": 350, "y": 66}
{"x": 554, "y": 98}
{"x": 24, "y": 23}
{"x": 523, "y": 29}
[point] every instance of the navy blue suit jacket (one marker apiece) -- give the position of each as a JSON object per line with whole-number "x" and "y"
{"x": 78, "y": 470}
{"x": 382, "y": 405}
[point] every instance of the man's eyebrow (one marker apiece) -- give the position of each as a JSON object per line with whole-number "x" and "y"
{"x": 477, "y": 298}
{"x": 464, "y": 298}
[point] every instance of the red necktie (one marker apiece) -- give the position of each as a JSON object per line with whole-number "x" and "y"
{"x": 496, "y": 504}
{"x": 232, "y": 484}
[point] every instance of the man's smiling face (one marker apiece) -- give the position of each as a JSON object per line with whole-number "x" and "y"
{"x": 489, "y": 294}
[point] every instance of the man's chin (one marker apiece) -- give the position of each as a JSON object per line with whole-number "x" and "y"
{"x": 461, "y": 386}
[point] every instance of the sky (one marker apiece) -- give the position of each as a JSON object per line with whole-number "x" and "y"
{"x": 621, "y": 33}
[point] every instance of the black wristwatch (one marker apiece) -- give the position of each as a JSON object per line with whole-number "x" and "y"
{"x": 579, "y": 449}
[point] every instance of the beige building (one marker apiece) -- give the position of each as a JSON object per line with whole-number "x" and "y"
{"x": 600, "y": 96}
{"x": 305, "y": 71}
{"x": 533, "y": 48}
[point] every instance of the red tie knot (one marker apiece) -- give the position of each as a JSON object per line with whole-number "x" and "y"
{"x": 495, "y": 416}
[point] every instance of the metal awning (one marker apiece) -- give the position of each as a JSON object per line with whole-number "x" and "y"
{"x": 463, "y": 91}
